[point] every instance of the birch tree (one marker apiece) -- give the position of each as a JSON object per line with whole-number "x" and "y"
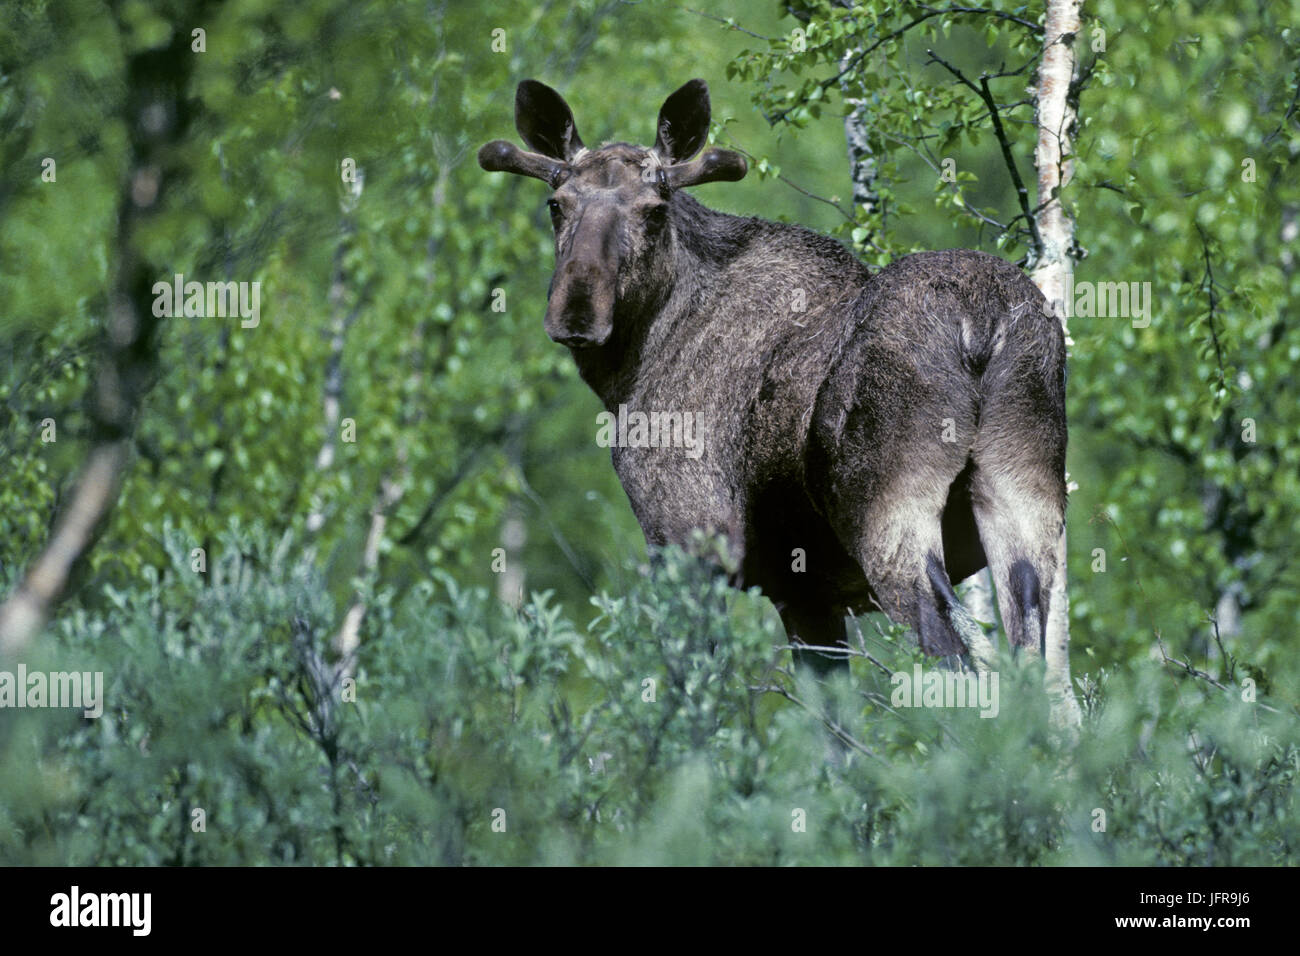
{"x": 1052, "y": 265}
{"x": 155, "y": 110}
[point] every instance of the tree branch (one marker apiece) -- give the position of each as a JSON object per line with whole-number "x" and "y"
{"x": 931, "y": 13}
{"x": 1008, "y": 157}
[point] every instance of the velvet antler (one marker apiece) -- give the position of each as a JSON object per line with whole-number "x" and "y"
{"x": 713, "y": 165}
{"x": 502, "y": 156}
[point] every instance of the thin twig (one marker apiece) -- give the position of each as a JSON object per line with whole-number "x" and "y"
{"x": 1212, "y": 301}
{"x": 840, "y": 733}
{"x": 930, "y": 14}
{"x": 732, "y": 144}
{"x": 1008, "y": 156}
{"x": 729, "y": 23}
{"x": 1198, "y": 674}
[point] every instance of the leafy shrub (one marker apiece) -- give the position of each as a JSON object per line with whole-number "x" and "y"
{"x": 671, "y": 730}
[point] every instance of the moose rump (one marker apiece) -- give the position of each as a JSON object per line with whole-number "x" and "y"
{"x": 938, "y": 440}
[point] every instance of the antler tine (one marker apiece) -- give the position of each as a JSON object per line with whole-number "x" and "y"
{"x": 502, "y": 156}
{"x": 713, "y": 165}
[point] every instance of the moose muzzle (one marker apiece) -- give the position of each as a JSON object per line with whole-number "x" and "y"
{"x": 580, "y": 313}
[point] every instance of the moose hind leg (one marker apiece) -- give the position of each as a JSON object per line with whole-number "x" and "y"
{"x": 956, "y": 617}
{"x": 902, "y": 556}
{"x": 1018, "y": 488}
{"x": 935, "y": 607}
{"x": 1019, "y": 522}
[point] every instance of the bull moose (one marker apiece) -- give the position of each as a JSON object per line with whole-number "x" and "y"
{"x": 872, "y": 438}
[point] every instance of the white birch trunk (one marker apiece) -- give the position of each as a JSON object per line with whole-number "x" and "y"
{"x": 124, "y": 370}
{"x": 1051, "y": 271}
{"x": 28, "y": 608}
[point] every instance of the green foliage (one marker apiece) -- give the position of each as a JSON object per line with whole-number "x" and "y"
{"x": 1195, "y": 415}
{"x": 669, "y": 733}
{"x": 831, "y": 57}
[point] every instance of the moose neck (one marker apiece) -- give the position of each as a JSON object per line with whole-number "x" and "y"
{"x": 704, "y": 244}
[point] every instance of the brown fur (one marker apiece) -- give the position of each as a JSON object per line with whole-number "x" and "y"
{"x": 827, "y": 425}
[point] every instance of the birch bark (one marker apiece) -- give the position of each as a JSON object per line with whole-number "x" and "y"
{"x": 1051, "y": 270}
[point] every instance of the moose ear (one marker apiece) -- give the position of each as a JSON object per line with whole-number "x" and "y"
{"x": 545, "y": 121}
{"x": 683, "y": 123}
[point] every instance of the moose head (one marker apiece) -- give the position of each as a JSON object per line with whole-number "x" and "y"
{"x": 611, "y": 206}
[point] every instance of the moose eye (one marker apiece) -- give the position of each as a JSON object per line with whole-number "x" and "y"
{"x": 556, "y": 215}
